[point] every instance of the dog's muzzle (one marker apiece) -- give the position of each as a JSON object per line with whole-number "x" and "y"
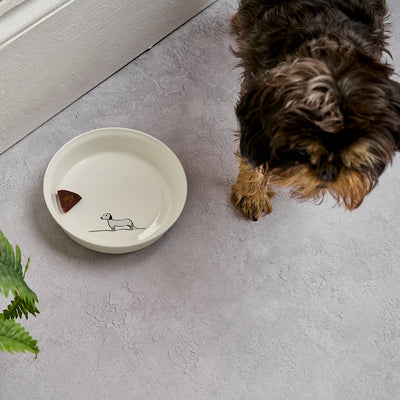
{"x": 328, "y": 172}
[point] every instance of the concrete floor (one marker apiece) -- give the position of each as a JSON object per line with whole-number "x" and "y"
{"x": 301, "y": 305}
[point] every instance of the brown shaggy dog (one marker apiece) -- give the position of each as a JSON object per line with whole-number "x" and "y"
{"x": 318, "y": 110}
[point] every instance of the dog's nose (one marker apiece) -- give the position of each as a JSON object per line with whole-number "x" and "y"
{"x": 328, "y": 172}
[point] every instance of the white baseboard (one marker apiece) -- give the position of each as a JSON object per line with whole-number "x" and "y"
{"x": 60, "y": 51}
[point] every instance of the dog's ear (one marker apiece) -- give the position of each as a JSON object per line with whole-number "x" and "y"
{"x": 255, "y": 112}
{"x": 395, "y": 115}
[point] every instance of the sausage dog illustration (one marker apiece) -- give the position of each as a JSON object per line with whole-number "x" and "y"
{"x": 118, "y": 223}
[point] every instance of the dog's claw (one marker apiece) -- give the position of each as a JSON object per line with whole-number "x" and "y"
{"x": 252, "y": 207}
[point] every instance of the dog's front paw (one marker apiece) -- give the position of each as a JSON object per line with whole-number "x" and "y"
{"x": 251, "y": 205}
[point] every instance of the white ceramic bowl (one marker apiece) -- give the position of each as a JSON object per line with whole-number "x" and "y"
{"x": 133, "y": 189}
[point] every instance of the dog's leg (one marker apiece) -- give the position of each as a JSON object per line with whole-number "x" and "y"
{"x": 250, "y": 194}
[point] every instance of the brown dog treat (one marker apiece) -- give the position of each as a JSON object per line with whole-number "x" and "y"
{"x": 68, "y": 199}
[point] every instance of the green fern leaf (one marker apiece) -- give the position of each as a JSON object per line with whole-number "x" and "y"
{"x": 12, "y": 282}
{"x": 19, "y": 307}
{"x": 15, "y": 339}
{"x": 7, "y": 255}
{"x": 12, "y": 276}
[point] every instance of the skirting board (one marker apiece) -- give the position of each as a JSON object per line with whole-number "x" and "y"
{"x": 71, "y": 49}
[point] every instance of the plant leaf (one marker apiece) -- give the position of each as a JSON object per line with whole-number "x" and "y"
{"x": 7, "y": 253}
{"x": 8, "y": 257}
{"x": 26, "y": 266}
{"x": 19, "y": 307}
{"x": 12, "y": 282}
{"x": 15, "y": 339}
{"x": 12, "y": 276}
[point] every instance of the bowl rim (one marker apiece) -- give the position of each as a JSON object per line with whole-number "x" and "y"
{"x": 103, "y": 247}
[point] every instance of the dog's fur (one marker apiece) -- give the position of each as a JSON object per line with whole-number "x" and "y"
{"x": 318, "y": 110}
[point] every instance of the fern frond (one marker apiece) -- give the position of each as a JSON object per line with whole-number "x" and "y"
{"x": 7, "y": 255}
{"x": 12, "y": 282}
{"x": 19, "y": 307}
{"x": 26, "y": 266}
{"x": 11, "y": 274}
{"x": 15, "y": 339}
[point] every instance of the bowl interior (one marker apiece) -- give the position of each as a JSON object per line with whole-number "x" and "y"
{"x": 133, "y": 188}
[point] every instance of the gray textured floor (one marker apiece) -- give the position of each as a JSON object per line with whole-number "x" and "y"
{"x": 302, "y": 305}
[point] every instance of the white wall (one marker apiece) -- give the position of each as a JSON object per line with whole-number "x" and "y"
{"x": 54, "y": 51}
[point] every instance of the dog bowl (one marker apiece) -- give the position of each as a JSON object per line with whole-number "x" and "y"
{"x": 133, "y": 189}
